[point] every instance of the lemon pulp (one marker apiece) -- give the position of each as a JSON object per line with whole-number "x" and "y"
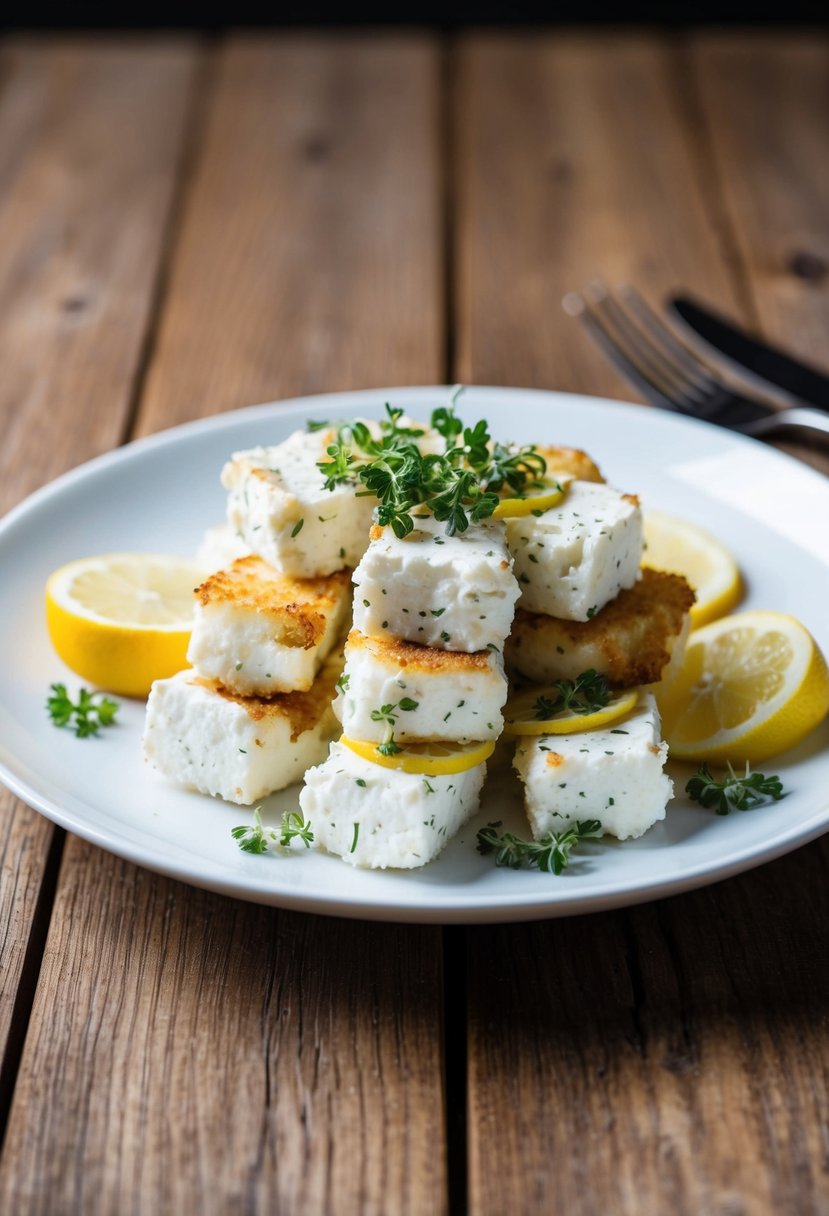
{"x": 123, "y": 620}
{"x": 751, "y": 686}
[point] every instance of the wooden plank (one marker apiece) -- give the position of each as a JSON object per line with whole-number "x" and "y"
{"x": 189, "y": 1053}
{"x": 79, "y": 256}
{"x": 674, "y": 1057}
{"x": 574, "y": 161}
{"x": 89, "y": 146}
{"x": 764, "y": 99}
{"x": 310, "y": 257}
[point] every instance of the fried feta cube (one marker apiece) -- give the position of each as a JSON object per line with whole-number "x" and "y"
{"x": 451, "y": 592}
{"x": 279, "y": 506}
{"x": 259, "y": 632}
{"x": 220, "y": 547}
{"x": 202, "y": 737}
{"x": 379, "y": 818}
{"x": 635, "y": 639}
{"x": 432, "y": 694}
{"x": 574, "y": 558}
{"x": 613, "y": 775}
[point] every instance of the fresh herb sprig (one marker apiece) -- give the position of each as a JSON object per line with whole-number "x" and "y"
{"x": 551, "y": 853}
{"x": 387, "y": 714}
{"x": 256, "y": 838}
{"x": 587, "y": 694}
{"x": 459, "y": 486}
{"x": 90, "y": 712}
{"x": 735, "y": 792}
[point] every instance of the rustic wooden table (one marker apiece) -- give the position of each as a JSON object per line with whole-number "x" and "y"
{"x": 188, "y": 227}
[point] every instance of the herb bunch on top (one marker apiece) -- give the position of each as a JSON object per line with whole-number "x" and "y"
{"x": 459, "y": 486}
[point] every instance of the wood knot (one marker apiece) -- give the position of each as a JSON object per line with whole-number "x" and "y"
{"x": 808, "y": 266}
{"x": 316, "y": 148}
{"x": 74, "y": 304}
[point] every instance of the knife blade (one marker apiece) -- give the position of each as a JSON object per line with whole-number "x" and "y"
{"x": 764, "y": 362}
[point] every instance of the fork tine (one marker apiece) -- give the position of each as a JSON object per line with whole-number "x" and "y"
{"x": 645, "y": 351}
{"x": 693, "y": 364}
{"x": 576, "y": 306}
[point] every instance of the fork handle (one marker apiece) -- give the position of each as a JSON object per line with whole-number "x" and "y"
{"x": 798, "y": 418}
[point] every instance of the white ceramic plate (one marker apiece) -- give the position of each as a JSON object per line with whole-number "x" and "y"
{"x": 160, "y": 494}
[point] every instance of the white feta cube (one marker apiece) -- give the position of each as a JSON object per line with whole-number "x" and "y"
{"x": 613, "y": 775}
{"x": 204, "y": 738}
{"x": 432, "y": 694}
{"x": 259, "y": 632}
{"x": 278, "y": 504}
{"x": 452, "y": 592}
{"x": 380, "y": 818}
{"x": 574, "y": 558}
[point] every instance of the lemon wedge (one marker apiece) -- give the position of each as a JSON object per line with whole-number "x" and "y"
{"x": 548, "y": 494}
{"x": 751, "y": 685}
{"x": 678, "y": 547}
{"x": 521, "y": 714}
{"x": 426, "y": 759}
{"x": 123, "y": 620}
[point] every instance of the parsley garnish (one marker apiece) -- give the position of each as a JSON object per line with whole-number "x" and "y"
{"x": 86, "y": 716}
{"x": 459, "y": 486}
{"x": 733, "y": 793}
{"x": 256, "y": 838}
{"x": 587, "y": 694}
{"x": 551, "y": 853}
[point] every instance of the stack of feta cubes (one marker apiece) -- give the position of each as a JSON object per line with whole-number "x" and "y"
{"x": 423, "y": 664}
{"x": 434, "y": 616}
{"x": 254, "y": 712}
{"x": 585, "y": 606}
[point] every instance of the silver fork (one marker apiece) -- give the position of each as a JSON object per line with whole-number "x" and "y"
{"x": 668, "y": 373}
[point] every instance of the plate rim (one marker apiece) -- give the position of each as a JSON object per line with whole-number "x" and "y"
{"x": 492, "y": 908}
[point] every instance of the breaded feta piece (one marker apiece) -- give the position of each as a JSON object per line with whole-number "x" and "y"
{"x": 613, "y": 775}
{"x": 278, "y": 504}
{"x": 220, "y": 547}
{"x": 204, "y": 738}
{"x": 434, "y": 694}
{"x": 569, "y": 462}
{"x": 452, "y": 592}
{"x": 577, "y": 556}
{"x": 259, "y": 632}
{"x": 632, "y": 640}
{"x": 380, "y": 818}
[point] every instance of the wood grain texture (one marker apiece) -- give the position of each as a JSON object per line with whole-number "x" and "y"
{"x": 193, "y": 1053}
{"x": 575, "y": 159}
{"x": 765, "y": 101}
{"x": 310, "y": 256}
{"x": 90, "y": 136}
{"x": 89, "y": 140}
{"x": 672, "y": 1058}
{"x": 189, "y": 1053}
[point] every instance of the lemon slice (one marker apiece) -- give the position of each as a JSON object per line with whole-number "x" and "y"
{"x": 123, "y": 620}
{"x": 540, "y": 499}
{"x": 751, "y": 685}
{"x": 428, "y": 759}
{"x": 520, "y": 714}
{"x": 679, "y": 547}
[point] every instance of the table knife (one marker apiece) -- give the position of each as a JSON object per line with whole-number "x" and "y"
{"x": 746, "y": 353}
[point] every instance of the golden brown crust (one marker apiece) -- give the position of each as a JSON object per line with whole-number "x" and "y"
{"x": 302, "y": 710}
{"x": 630, "y": 639}
{"x": 300, "y": 607}
{"x": 570, "y": 460}
{"x": 396, "y": 653}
